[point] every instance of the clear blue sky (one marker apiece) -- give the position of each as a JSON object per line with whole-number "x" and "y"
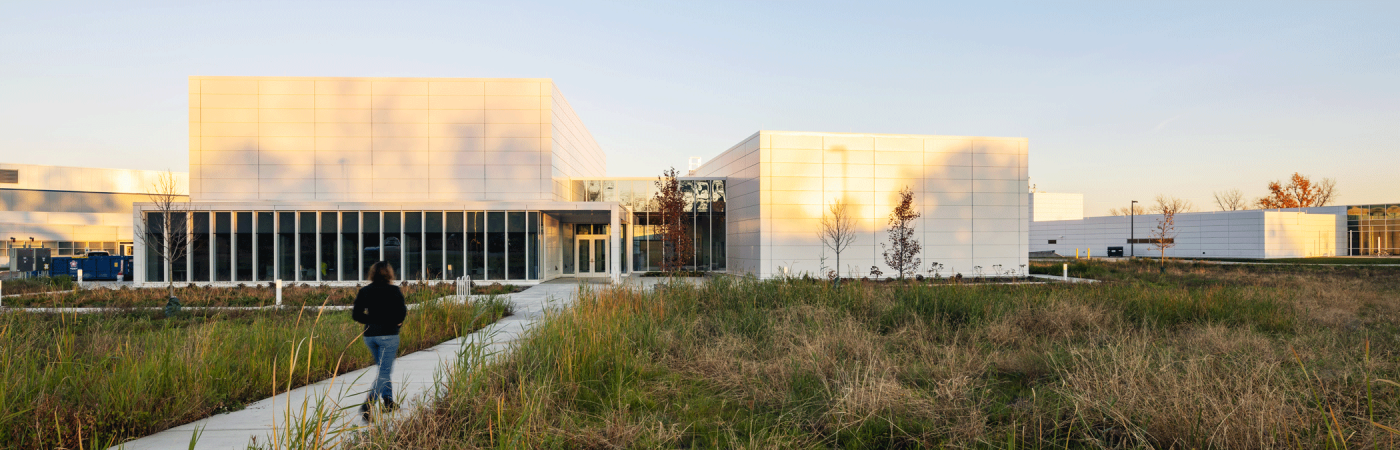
{"x": 1120, "y": 100}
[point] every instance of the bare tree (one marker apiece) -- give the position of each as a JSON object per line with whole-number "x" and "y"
{"x": 1164, "y": 233}
{"x": 677, "y": 247}
{"x": 1231, "y": 200}
{"x": 1326, "y": 192}
{"x": 1123, "y": 211}
{"x": 838, "y": 231}
{"x": 903, "y": 253}
{"x": 164, "y": 229}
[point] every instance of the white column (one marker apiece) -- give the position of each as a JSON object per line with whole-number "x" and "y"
{"x": 615, "y": 243}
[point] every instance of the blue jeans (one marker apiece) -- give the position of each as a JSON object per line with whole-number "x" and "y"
{"x": 383, "y": 349}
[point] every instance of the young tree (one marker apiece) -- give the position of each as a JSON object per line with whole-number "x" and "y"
{"x": 837, "y": 232}
{"x": 1300, "y": 192}
{"x": 677, "y": 248}
{"x": 1164, "y": 233}
{"x": 903, "y": 253}
{"x": 1231, "y": 200}
{"x": 1123, "y": 211}
{"x": 165, "y": 228}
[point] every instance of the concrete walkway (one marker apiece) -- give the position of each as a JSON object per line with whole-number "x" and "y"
{"x": 414, "y": 382}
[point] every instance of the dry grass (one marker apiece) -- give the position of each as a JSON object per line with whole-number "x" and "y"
{"x": 1196, "y": 357}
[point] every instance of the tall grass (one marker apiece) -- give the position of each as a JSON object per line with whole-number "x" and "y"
{"x": 256, "y": 295}
{"x": 71, "y": 380}
{"x": 1196, "y": 357}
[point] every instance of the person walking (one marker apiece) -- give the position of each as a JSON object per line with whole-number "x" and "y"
{"x": 380, "y": 306}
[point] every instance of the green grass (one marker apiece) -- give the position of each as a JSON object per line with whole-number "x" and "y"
{"x": 1193, "y": 356}
{"x": 94, "y": 380}
{"x": 36, "y": 284}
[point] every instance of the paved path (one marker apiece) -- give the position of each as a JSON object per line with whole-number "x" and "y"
{"x": 1061, "y": 278}
{"x": 413, "y": 382}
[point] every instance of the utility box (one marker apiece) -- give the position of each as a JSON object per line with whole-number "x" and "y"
{"x": 1115, "y": 252}
{"x": 32, "y": 259}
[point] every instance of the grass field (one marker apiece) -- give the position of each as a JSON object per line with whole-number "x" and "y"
{"x": 1193, "y": 356}
{"x": 256, "y": 295}
{"x": 94, "y": 380}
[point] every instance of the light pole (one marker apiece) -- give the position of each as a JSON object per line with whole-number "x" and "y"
{"x": 1132, "y": 229}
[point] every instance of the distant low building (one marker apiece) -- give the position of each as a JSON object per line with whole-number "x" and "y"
{"x": 71, "y": 210}
{"x": 1352, "y": 230}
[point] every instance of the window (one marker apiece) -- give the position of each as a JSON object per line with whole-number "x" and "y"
{"x": 1147, "y": 241}
{"x": 306, "y": 246}
{"x": 223, "y": 246}
{"x": 199, "y": 247}
{"x": 287, "y": 245}
{"x": 370, "y": 237}
{"x": 1052, "y": 241}
{"x": 243, "y": 245}
{"x": 329, "y": 259}
{"x": 432, "y": 245}
{"x": 349, "y": 245}
{"x": 412, "y": 245}
{"x": 9, "y": 176}
{"x": 515, "y": 245}
{"x": 496, "y": 245}
{"x": 265, "y": 250}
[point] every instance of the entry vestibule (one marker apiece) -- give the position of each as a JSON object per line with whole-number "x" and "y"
{"x": 591, "y": 244}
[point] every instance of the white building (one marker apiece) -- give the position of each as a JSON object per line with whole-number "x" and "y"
{"x": 1230, "y": 234}
{"x": 71, "y": 210}
{"x": 313, "y": 179}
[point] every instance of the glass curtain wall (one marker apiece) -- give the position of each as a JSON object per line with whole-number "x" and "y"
{"x": 309, "y": 246}
{"x": 1373, "y": 230}
{"x": 704, "y": 209}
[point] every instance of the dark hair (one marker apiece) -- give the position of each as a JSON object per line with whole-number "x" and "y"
{"x": 380, "y": 272}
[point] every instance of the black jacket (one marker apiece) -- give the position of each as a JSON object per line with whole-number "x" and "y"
{"x": 380, "y": 306}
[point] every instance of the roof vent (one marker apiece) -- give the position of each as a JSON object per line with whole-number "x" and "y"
{"x": 9, "y": 176}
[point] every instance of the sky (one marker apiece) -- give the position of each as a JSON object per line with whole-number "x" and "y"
{"x": 1120, "y": 101}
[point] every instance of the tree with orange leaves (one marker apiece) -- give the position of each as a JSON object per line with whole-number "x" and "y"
{"x": 1300, "y": 192}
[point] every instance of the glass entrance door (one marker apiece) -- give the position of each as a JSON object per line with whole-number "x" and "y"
{"x": 592, "y": 254}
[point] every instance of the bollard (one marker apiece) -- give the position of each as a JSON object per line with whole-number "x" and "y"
{"x": 279, "y": 292}
{"x": 2, "y": 293}
{"x": 1076, "y": 253}
{"x": 80, "y": 277}
{"x": 1089, "y": 253}
{"x": 1066, "y": 276}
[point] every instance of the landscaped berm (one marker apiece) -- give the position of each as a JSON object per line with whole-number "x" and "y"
{"x": 1193, "y": 356}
